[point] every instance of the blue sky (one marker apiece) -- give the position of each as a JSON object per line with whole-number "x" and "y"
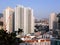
{"x": 42, "y": 8}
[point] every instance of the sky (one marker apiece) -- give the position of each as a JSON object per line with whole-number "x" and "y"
{"x": 42, "y": 8}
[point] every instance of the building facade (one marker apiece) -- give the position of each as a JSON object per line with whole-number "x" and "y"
{"x": 53, "y": 21}
{"x": 8, "y": 19}
{"x": 58, "y": 25}
{"x": 24, "y": 19}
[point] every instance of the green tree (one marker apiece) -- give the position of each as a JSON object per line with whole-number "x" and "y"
{"x": 8, "y": 39}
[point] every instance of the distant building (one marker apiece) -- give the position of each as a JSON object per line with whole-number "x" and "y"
{"x": 42, "y": 25}
{"x": 1, "y": 15}
{"x": 8, "y": 19}
{"x": 36, "y": 21}
{"x": 58, "y": 25}
{"x": 24, "y": 19}
{"x": 58, "y": 21}
{"x": 53, "y": 21}
{"x": 43, "y": 21}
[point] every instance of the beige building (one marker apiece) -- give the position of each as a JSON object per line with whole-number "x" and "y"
{"x": 24, "y": 19}
{"x": 8, "y": 19}
{"x": 52, "y": 21}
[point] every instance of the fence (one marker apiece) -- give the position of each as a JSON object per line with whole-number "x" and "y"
{"x": 40, "y": 42}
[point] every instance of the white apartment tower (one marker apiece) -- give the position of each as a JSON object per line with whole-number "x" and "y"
{"x": 8, "y": 19}
{"x": 24, "y": 19}
{"x": 52, "y": 21}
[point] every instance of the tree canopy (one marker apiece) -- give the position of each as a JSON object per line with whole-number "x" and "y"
{"x": 8, "y": 39}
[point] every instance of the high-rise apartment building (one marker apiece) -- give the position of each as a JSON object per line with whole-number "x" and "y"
{"x": 53, "y": 21}
{"x": 58, "y": 25}
{"x": 58, "y": 21}
{"x": 8, "y": 14}
{"x": 24, "y": 19}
